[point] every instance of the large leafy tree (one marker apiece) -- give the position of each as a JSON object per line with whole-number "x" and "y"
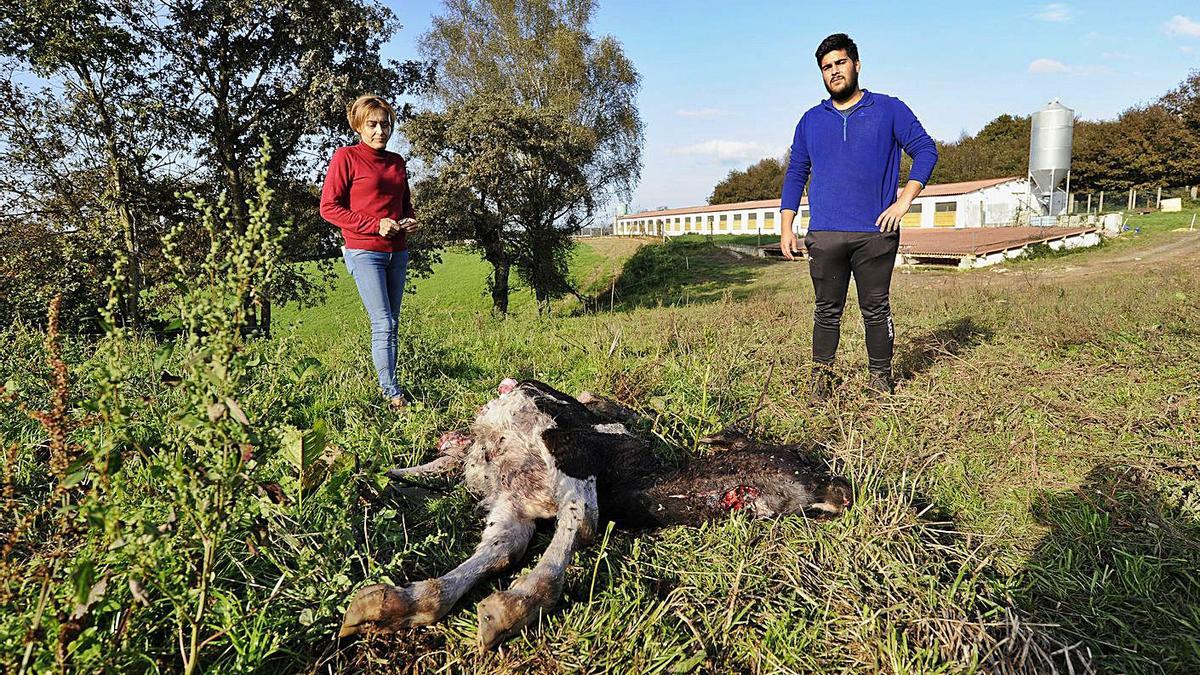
{"x": 495, "y": 168}
{"x": 81, "y": 160}
{"x": 761, "y": 180}
{"x": 1145, "y": 147}
{"x": 284, "y": 69}
{"x": 128, "y": 102}
{"x": 535, "y": 127}
{"x": 1183, "y": 103}
{"x": 1093, "y": 165}
{"x": 1001, "y": 148}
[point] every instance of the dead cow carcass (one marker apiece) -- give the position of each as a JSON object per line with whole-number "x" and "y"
{"x": 535, "y": 452}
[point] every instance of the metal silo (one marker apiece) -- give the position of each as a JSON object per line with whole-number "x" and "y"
{"x": 1051, "y": 130}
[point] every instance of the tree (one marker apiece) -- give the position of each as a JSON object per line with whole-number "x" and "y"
{"x": 1153, "y": 147}
{"x": 495, "y": 167}
{"x": 101, "y": 119}
{"x": 1183, "y": 102}
{"x": 168, "y": 96}
{"x": 1093, "y": 165}
{"x": 536, "y": 64}
{"x": 1001, "y": 148}
{"x": 761, "y": 180}
{"x": 239, "y": 71}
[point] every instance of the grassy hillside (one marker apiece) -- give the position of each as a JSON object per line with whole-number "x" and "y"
{"x": 1028, "y": 500}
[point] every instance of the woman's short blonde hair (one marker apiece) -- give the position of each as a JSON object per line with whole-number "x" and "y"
{"x": 366, "y": 104}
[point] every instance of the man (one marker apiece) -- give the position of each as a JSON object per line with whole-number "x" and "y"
{"x": 850, "y": 144}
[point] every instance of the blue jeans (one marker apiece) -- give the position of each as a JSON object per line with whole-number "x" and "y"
{"x": 380, "y": 280}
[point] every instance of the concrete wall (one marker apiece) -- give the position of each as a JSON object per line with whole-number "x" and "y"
{"x": 1074, "y": 241}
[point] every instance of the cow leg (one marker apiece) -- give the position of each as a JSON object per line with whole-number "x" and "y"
{"x": 439, "y": 467}
{"x": 504, "y": 613}
{"x": 452, "y": 449}
{"x": 391, "y": 608}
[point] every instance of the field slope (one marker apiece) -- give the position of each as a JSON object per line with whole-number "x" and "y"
{"x": 1028, "y": 501}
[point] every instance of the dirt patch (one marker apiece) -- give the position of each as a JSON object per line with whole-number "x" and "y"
{"x": 1179, "y": 248}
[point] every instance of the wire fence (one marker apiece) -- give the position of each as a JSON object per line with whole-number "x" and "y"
{"x": 1140, "y": 200}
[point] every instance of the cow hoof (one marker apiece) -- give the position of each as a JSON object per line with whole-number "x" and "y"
{"x": 388, "y": 608}
{"x": 502, "y": 615}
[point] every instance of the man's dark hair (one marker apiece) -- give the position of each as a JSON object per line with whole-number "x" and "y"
{"x": 835, "y": 42}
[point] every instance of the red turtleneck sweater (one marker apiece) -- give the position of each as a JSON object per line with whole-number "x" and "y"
{"x": 364, "y": 185}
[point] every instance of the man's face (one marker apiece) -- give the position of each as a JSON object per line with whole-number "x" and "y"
{"x": 376, "y": 129}
{"x": 840, "y": 73}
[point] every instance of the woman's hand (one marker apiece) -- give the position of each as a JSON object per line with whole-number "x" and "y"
{"x": 388, "y": 227}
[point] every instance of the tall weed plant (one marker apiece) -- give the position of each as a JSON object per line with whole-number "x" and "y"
{"x": 139, "y": 506}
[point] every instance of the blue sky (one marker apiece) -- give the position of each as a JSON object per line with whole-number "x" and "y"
{"x": 723, "y": 83}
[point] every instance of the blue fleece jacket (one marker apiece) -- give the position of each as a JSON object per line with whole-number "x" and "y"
{"x": 854, "y": 160}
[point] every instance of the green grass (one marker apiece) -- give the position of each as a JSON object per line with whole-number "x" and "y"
{"x": 1029, "y": 496}
{"x": 1154, "y": 227}
{"x": 736, "y": 239}
{"x": 458, "y": 285}
{"x": 1159, "y": 221}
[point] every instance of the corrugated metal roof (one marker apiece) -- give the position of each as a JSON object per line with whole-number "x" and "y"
{"x": 979, "y": 240}
{"x": 947, "y": 189}
{"x": 935, "y": 190}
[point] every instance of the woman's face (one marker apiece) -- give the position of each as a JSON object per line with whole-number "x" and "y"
{"x": 376, "y": 129}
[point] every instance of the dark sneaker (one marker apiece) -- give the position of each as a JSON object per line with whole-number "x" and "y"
{"x": 822, "y": 384}
{"x": 881, "y": 383}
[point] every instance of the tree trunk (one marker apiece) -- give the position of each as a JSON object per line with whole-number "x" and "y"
{"x": 119, "y": 186}
{"x": 225, "y": 135}
{"x": 493, "y": 252}
{"x": 225, "y": 140}
{"x": 489, "y": 235}
{"x": 500, "y": 269}
{"x": 264, "y": 316}
{"x": 130, "y": 306}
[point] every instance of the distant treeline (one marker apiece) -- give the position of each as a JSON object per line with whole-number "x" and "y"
{"x": 1147, "y": 146}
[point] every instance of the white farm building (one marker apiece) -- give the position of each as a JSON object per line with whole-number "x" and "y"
{"x": 980, "y": 203}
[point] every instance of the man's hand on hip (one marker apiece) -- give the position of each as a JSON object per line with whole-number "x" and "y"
{"x": 889, "y": 220}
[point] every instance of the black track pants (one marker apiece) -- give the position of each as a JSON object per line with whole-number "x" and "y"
{"x": 870, "y": 257}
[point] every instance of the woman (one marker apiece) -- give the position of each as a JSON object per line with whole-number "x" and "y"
{"x": 366, "y": 195}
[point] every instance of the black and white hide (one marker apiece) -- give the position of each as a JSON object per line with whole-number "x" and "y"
{"x": 534, "y": 453}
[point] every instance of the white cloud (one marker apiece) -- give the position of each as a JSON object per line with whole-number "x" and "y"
{"x": 1181, "y": 25}
{"x": 1048, "y": 66}
{"x": 1055, "y": 12}
{"x": 724, "y": 151}
{"x": 1186, "y": 49}
{"x": 1055, "y": 67}
{"x": 702, "y": 113}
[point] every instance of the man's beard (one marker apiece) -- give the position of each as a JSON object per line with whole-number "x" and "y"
{"x": 847, "y": 91}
